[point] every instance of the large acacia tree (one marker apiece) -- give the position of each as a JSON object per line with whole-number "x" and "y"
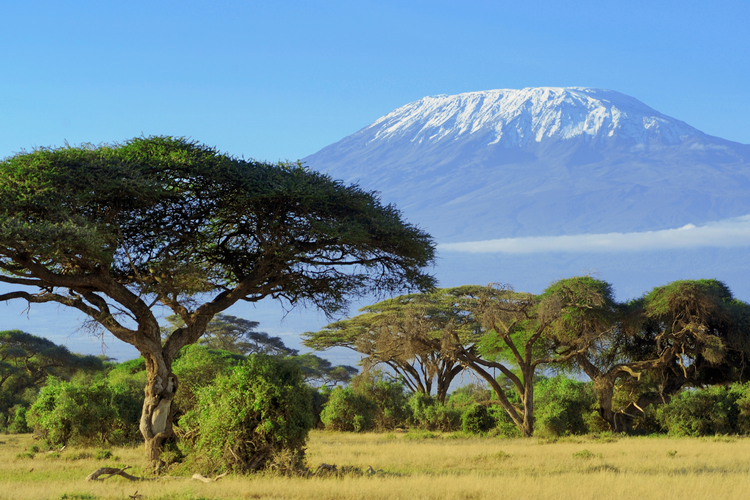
{"x": 399, "y": 332}
{"x": 688, "y": 332}
{"x": 519, "y": 333}
{"x": 117, "y": 230}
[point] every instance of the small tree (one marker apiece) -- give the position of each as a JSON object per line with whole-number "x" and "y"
{"x": 117, "y": 230}
{"x": 346, "y": 410}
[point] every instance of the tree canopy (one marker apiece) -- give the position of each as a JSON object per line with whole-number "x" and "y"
{"x": 393, "y": 332}
{"x": 115, "y": 230}
{"x": 688, "y": 332}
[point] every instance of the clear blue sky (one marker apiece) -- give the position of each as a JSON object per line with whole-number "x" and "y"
{"x": 281, "y": 80}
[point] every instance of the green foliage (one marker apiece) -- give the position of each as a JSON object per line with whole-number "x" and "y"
{"x": 101, "y": 454}
{"x": 430, "y": 414}
{"x": 250, "y": 415}
{"x": 19, "y": 424}
{"x": 197, "y": 367}
{"x": 233, "y": 334}
{"x": 116, "y": 209}
{"x": 388, "y": 396}
{"x": 707, "y": 412}
{"x": 476, "y": 419}
{"x": 586, "y": 455}
{"x": 563, "y": 406}
{"x": 86, "y": 412}
{"x": 25, "y": 362}
{"x": 347, "y": 410}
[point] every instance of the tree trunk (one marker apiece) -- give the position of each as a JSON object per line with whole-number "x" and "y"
{"x": 158, "y": 410}
{"x": 604, "y": 387}
{"x": 528, "y": 403}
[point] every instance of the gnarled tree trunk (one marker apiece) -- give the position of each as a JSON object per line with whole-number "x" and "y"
{"x": 158, "y": 408}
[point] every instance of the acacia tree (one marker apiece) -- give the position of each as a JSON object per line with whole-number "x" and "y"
{"x": 239, "y": 335}
{"x": 233, "y": 334}
{"x": 689, "y": 332}
{"x": 393, "y": 333}
{"x": 521, "y": 332}
{"x": 117, "y": 230}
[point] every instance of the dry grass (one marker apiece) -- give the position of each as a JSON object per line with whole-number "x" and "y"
{"x": 440, "y": 468}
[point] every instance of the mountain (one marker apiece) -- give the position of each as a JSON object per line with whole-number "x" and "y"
{"x": 542, "y": 162}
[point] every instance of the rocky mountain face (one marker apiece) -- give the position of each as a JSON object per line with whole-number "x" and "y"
{"x": 542, "y": 162}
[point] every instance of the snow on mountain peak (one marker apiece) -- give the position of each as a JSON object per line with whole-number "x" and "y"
{"x": 516, "y": 117}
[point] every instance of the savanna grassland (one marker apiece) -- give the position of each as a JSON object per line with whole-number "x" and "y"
{"x": 415, "y": 465}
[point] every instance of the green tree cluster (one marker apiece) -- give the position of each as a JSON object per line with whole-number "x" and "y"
{"x": 638, "y": 354}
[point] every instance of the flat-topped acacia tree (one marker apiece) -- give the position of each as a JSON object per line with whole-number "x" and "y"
{"x": 116, "y": 231}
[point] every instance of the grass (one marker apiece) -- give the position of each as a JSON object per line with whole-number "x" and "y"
{"x": 440, "y": 467}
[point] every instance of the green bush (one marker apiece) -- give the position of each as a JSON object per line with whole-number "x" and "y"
{"x": 197, "y": 367}
{"x": 504, "y": 425}
{"x": 348, "y": 411}
{"x": 562, "y": 406}
{"x": 430, "y": 414}
{"x": 248, "y": 418}
{"x": 388, "y": 395}
{"x": 476, "y": 419}
{"x": 19, "y": 424}
{"x": 707, "y": 412}
{"x": 319, "y": 401}
{"x": 87, "y": 412}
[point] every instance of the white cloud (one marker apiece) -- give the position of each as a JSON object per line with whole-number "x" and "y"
{"x": 724, "y": 233}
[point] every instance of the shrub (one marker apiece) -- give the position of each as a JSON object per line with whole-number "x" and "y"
{"x": 504, "y": 425}
{"x": 563, "y": 406}
{"x": 197, "y": 367}
{"x": 469, "y": 394}
{"x": 19, "y": 424}
{"x": 246, "y": 418}
{"x": 388, "y": 395}
{"x": 86, "y": 413}
{"x": 429, "y": 414}
{"x": 348, "y": 411}
{"x": 706, "y": 412}
{"x": 476, "y": 419}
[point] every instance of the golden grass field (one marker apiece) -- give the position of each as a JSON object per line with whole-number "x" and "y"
{"x": 440, "y": 468}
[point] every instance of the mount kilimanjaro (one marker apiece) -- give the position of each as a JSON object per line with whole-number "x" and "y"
{"x": 542, "y": 162}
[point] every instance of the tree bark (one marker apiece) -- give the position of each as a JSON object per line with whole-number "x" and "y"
{"x": 158, "y": 411}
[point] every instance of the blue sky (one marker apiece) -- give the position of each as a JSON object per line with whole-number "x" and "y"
{"x": 281, "y": 80}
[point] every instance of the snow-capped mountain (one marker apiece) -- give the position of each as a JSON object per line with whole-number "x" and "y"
{"x": 514, "y": 118}
{"x": 542, "y": 161}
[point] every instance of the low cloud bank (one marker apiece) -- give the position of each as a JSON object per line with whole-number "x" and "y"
{"x": 725, "y": 233}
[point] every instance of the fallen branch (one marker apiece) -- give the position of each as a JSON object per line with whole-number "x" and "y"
{"x": 199, "y": 477}
{"x": 112, "y": 471}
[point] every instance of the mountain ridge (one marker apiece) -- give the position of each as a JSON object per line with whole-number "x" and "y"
{"x": 542, "y": 161}
{"x": 502, "y": 111}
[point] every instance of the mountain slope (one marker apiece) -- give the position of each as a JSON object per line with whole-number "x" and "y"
{"x": 542, "y": 161}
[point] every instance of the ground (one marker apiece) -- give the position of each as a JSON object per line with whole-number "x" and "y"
{"x": 415, "y": 466}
